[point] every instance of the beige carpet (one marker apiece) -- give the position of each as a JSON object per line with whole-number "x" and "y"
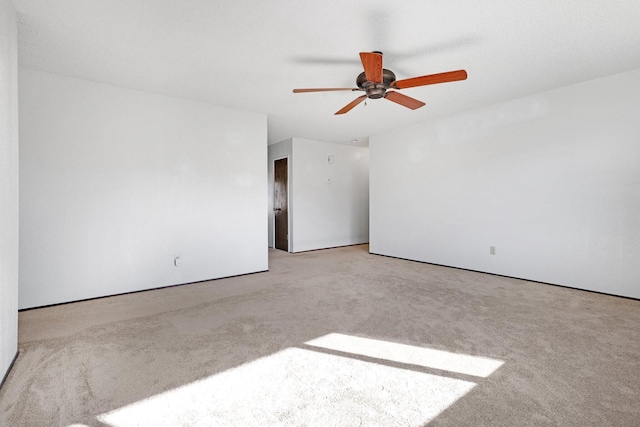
{"x": 332, "y": 338}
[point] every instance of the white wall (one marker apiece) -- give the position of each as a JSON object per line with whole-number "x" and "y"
{"x": 552, "y": 181}
{"x": 278, "y": 151}
{"x": 331, "y": 201}
{"x": 8, "y": 186}
{"x": 115, "y": 182}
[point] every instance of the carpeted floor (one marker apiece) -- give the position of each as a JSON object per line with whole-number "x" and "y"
{"x": 336, "y": 337}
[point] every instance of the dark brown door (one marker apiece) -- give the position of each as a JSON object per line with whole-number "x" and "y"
{"x": 280, "y": 204}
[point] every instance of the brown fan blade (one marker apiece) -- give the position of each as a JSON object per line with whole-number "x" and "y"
{"x": 450, "y": 76}
{"x": 327, "y": 89}
{"x": 403, "y": 100}
{"x": 372, "y": 63}
{"x": 352, "y": 104}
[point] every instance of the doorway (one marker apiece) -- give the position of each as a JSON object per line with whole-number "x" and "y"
{"x": 281, "y": 204}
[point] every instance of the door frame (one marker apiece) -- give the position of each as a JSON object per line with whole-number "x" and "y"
{"x": 273, "y": 194}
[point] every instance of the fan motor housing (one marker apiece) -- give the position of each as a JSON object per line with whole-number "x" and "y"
{"x": 376, "y": 90}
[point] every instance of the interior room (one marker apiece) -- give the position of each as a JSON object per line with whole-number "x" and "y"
{"x": 319, "y": 213}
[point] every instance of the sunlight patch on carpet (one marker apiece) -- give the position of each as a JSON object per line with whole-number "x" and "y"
{"x": 412, "y": 355}
{"x": 299, "y": 387}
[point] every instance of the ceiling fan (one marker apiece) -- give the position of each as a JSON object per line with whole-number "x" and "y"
{"x": 375, "y": 82}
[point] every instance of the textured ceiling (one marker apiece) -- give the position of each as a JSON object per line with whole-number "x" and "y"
{"x": 250, "y": 54}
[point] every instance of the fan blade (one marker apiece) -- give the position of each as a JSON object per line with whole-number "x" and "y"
{"x": 352, "y": 104}
{"x": 372, "y": 63}
{"x": 431, "y": 79}
{"x": 403, "y": 100}
{"x": 327, "y": 89}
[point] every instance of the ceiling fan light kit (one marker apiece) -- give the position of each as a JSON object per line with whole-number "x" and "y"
{"x": 376, "y": 81}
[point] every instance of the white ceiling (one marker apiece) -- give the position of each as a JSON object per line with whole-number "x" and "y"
{"x": 250, "y": 54}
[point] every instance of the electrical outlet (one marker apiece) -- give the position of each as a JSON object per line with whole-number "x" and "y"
{"x": 177, "y": 260}
{"x": 492, "y": 250}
